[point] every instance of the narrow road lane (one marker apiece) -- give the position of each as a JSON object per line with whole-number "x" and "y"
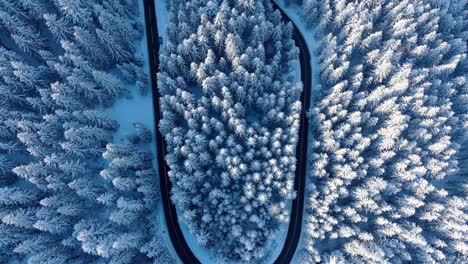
{"x": 295, "y": 222}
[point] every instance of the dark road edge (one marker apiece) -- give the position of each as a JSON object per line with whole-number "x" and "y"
{"x": 170, "y": 213}
{"x": 295, "y": 222}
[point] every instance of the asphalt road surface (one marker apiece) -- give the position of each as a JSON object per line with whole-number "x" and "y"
{"x": 175, "y": 233}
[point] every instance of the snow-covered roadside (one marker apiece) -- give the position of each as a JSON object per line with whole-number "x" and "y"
{"x": 294, "y": 13}
{"x": 203, "y": 254}
{"x": 276, "y": 243}
{"x": 162, "y": 15}
{"x": 136, "y": 107}
{"x": 139, "y": 108}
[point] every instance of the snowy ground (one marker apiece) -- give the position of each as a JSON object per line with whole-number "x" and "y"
{"x": 276, "y": 244}
{"x": 294, "y": 13}
{"x": 139, "y": 108}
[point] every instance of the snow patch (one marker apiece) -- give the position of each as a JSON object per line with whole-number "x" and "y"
{"x": 139, "y": 108}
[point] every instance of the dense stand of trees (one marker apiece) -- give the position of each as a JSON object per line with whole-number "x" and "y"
{"x": 67, "y": 193}
{"x": 231, "y": 113}
{"x": 390, "y": 128}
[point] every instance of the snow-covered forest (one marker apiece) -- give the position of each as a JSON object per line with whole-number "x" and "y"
{"x": 68, "y": 193}
{"x": 388, "y": 173}
{"x": 387, "y": 170}
{"x": 231, "y": 112}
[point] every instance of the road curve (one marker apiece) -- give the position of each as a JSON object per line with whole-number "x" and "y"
{"x": 175, "y": 233}
{"x": 295, "y": 222}
{"x": 170, "y": 213}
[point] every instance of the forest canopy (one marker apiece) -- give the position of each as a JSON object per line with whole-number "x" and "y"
{"x": 68, "y": 193}
{"x": 388, "y": 173}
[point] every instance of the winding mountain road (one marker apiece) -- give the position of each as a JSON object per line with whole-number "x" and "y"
{"x": 175, "y": 232}
{"x": 295, "y": 222}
